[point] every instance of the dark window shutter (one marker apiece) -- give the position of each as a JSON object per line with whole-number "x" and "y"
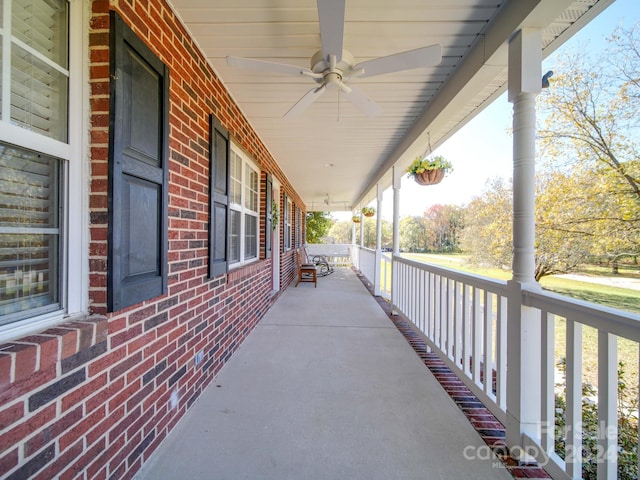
{"x": 268, "y": 224}
{"x": 219, "y": 198}
{"x": 138, "y": 169}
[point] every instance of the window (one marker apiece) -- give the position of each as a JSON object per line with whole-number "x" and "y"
{"x": 35, "y": 161}
{"x": 288, "y": 207}
{"x": 244, "y": 208}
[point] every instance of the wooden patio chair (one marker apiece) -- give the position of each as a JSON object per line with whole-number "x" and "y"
{"x": 307, "y": 271}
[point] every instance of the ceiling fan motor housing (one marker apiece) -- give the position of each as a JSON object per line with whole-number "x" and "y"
{"x": 334, "y": 76}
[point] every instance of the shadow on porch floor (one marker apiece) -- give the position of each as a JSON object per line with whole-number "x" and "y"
{"x": 325, "y": 387}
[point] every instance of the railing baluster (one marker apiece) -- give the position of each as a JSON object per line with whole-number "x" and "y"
{"x": 436, "y": 310}
{"x": 548, "y": 382}
{"x": 468, "y": 330}
{"x": 607, "y": 405}
{"x": 573, "y": 455}
{"x": 442, "y": 314}
{"x": 424, "y": 300}
{"x": 451, "y": 318}
{"x": 430, "y": 305}
{"x": 477, "y": 335}
{"x": 487, "y": 318}
{"x": 501, "y": 354}
{"x": 457, "y": 338}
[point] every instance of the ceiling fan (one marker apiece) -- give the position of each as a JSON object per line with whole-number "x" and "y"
{"x": 332, "y": 66}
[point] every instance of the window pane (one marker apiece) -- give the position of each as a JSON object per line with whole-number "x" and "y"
{"x": 38, "y": 95}
{"x": 235, "y": 179}
{"x": 39, "y": 77}
{"x": 29, "y": 232}
{"x": 250, "y": 236}
{"x": 251, "y": 193}
{"x": 234, "y": 237}
{"x": 42, "y": 25}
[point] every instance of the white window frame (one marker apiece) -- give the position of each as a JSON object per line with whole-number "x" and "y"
{"x": 74, "y": 286}
{"x": 241, "y": 207}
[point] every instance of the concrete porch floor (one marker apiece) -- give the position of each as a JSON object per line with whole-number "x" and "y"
{"x": 325, "y": 387}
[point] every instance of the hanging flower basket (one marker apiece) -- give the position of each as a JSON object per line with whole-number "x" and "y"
{"x": 429, "y": 171}
{"x": 430, "y": 177}
{"x": 356, "y": 219}
{"x": 368, "y": 211}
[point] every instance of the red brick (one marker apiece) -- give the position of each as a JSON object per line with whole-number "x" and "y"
{"x": 105, "y": 361}
{"x": 122, "y": 367}
{"x": 30, "y": 384}
{"x": 81, "y": 429}
{"x": 8, "y": 462}
{"x": 60, "y": 462}
{"x": 11, "y": 414}
{"x": 49, "y": 347}
{"x": 6, "y": 361}
{"x": 81, "y": 463}
{"x": 77, "y": 396}
{"x": 33, "y": 423}
{"x": 69, "y": 338}
{"x": 122, "y": 397}
{"x": 44, "y": 436}
{"x": 25, "y": 360}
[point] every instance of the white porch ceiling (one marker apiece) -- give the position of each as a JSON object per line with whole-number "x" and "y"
{"x": 334, "y": 149}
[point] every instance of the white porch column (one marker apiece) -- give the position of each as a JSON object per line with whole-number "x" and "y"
{"x": 397, "y": 177}
{"x": 523, "y": 327}
{"x": 378, "y": 255}
{"x": 361, "y": 229}
{"x": 353, "y": 233}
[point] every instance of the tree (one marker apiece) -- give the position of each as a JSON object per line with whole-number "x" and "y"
{"x": 488, "y": 225}
{"x": 318, "y": 224}
{"x": 592, "y": 120}
{"x": 413, "y": 234}
{"x": 444, "y": 223}
{"x": 340, "y": 232}
{"x": 564, "y": 223}
{"x": 370, "y": 233}
{"x": 592, "y": 123}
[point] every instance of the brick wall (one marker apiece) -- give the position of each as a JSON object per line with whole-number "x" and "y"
{"x": 93, "y": 398}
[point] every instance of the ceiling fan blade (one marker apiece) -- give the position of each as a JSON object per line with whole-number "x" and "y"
{"x": 271, "y": 67}
{"x": 360, "y": 100}
{"x": 308, "y": 98}
{"x": 420, "y": 57}
{"x": 331, "y": 17}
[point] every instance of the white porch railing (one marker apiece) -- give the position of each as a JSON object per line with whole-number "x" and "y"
{"x": 368, "y": 263}
{"x": 464, "y": 319}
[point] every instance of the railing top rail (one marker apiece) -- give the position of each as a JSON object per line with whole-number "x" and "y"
{"x": 478, "y": 281}
{"x": 612, "y": 320}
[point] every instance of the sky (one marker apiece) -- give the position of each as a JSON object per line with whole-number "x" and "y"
{"x": 482, "y": 150}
